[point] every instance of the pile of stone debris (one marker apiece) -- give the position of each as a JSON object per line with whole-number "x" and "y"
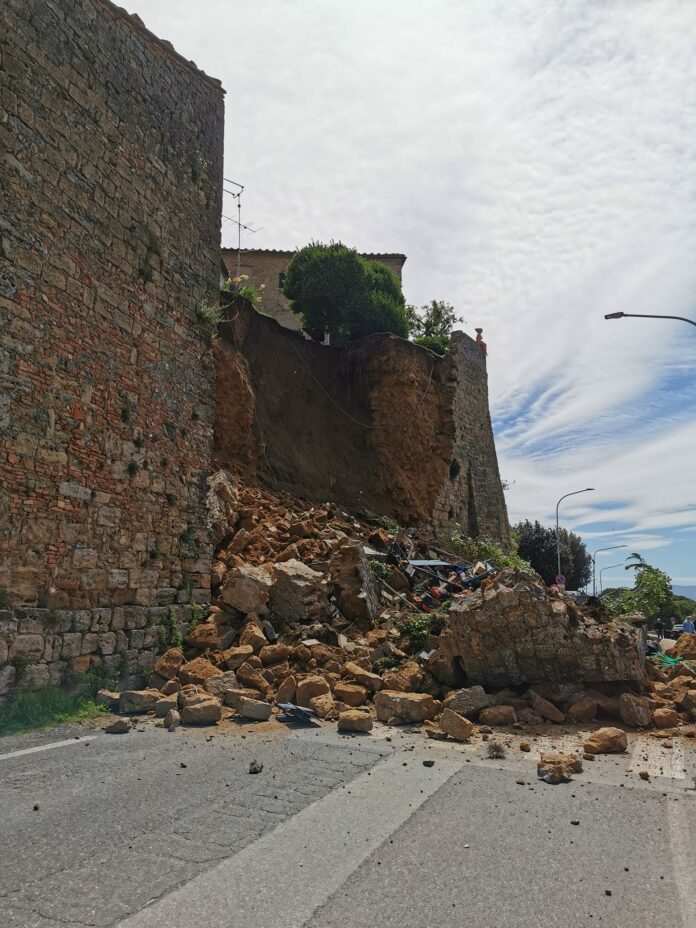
{"x": 300, "y": 618}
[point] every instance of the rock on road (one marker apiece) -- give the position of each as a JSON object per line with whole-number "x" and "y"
{"x": 152, "y": 828}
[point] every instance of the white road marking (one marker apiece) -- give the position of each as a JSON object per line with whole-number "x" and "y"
{"x": 651, "y": 755}
{"x": 48, "y": 747}
{"x": 682, "y": 847}
{"x": 297, "y": 867}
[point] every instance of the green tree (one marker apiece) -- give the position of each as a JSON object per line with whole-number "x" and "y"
{"x": 431, "y": 325}
{"x": 336, "y": 291}
{"x": 651, "y": 594}
{"x": 537, "y": 544}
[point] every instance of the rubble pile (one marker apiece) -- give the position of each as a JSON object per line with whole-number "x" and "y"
{"x": 320, "y": 616}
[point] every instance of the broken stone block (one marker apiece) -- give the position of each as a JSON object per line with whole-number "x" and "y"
{"x": 170, "y": 687}
{"x": 606, "y": 741}
{"x": 254, "y": 709}
{"x": 310, "y": 687}
{"x": 210, "y": 636}
{"x": 555, "y": 767}
{"x": 162, "y": 706}
{"x": 545, "y": 709}
{"x": 108, "y": 699}
{"x": 455, "y": 725}
{"x": 247, "y": 589}
{"x": 498, "y": 715}
{"x": 135, "y": 702}
{"x": 169, "y": 663}
{"x": 635, "y": 710}
{"x": 252, "y": 677}
{"x": 405, "y": 707}
{"x": 222, "y": 500}
{"x": 119, "y": 727}
{"x": 218, "y": 685}
{"x": 233, "y": 697}
{"x": 201, "y": 709}
{"x": 407, "y": 678}
{"x": 172, "y": 719}
{"x": 252, "y": 635}
{"x": 584, "y": 710}
{"x": 235, "y": 657}
{"x": 198, "y": 671}
{"x": 299, "y": 593}
{"x": 352, "y": 694}
{"x": 468, "y": 702}
{"x": 323, "y": 705}
{"x": 287, "y": 689}
{"x": 272, "y": 654}
{"x": 354, "y": 720}
{"x": 371, "y": 681}
{"x": 354, "y": 583}
{"x": 666, "y": 718}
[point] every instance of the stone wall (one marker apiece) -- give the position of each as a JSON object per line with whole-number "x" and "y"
{"x": 111, "y": 180}
{"x": 382, "y": 425}
{"x": 265, "y": 266}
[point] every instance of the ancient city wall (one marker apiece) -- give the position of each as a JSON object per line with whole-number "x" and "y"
{"x": 109, "y": 226}
{"x": 381, "y": 425}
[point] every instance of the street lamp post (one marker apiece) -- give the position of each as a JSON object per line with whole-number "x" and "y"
{"x": 594, "y": 564}
{"x": 610, "y": 567}
{"x": 646, "y": 316}
{"x": 558, "y": 533}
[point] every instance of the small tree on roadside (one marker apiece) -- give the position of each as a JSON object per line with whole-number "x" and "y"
{"x": 537, "y": 544}
{"x": 431, "y": 326}
{"x": 336, "y": 291}
{"x": 651, "y": 594}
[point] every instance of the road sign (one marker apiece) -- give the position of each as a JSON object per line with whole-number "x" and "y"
{"x": 560, "y": 580}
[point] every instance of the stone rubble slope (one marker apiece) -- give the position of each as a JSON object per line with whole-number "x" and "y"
{"x": 300, "y": 617}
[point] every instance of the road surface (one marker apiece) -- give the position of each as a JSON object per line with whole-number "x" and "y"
{"x": 169, "y": 829}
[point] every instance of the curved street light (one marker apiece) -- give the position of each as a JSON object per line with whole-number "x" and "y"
{"x": 558, "y": 534}
{"x": 610, "y": 567}
{"x": 594, "y": 564}
{"x": 646, "y": 316}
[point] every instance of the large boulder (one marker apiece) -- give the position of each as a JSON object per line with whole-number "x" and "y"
{"x": 254, "y": 709}
{"x": 685, "y": 647}
{"x": 220, "y": 683}
{"x": 666, "y": 717}
{"x": 252, "y": 635}
{"x": 168, "y": 664}
{"x": 545, "y": 708}
{"x": 407, "y": 678}
{"x": 371, "y": 681}
{"x": 354, "y": 583}
{"x": 354, "y": 720}
{"x": 235, "y": 657}
{"x": 135, "y": 702}
{"x": 323, "y": 705}
{"x": 516, "y": 632}
{"x": 247, "y": 589}
{"x": 210, "y": 636}
{"x": 201, "y": 709}
{"x": 455, "y": 725}
{"x": 498, "y": 715}
{"x": 394, "y": 707}
{"x": 352, "y": 694}
{"x": 198, "y": 671}
{"x": 555, "y": 767}
{"x": 299, "y": 593}
{"x": 584, "y": 710}
{"x": 635, "y": 710}
{"x": 468, "y": 702}
{"x": 606, "y": 741}
{"x": 252, "y": 677}
{"x": 310, "y": 687}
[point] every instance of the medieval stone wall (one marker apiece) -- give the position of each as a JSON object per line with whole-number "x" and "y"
{"x": 382, "y": 425}
{"x": 111, "y": 178}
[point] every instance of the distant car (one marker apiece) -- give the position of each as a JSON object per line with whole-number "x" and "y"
{"x": 577, "y": 596}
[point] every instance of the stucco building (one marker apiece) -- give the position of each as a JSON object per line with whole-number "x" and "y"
{"x": 268, "y": 266}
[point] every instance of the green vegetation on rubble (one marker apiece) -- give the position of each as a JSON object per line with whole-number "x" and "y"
{"x": 485, "y": 549}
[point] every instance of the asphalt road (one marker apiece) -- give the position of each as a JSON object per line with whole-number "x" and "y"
{"x": 159, "y": 829}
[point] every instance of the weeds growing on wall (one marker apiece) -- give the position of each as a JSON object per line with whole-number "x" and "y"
{"x": 241, "y": 286}
{"x": 5, "y": 602}
{"x": 210, "y": 315}
{"x": 485, "y": 549}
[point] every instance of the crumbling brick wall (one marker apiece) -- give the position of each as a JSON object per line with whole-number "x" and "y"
{"x": 381, "y": 425}
{"x": 111, "y": 179}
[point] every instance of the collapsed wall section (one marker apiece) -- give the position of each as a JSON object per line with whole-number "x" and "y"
{"x": 110, "y": 236}
{"x": 381, "y": 425}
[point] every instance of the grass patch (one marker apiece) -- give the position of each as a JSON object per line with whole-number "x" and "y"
{"x": 49, "y": 705}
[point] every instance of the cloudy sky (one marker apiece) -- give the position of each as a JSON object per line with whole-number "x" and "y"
{"x": 536, "y": 162}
